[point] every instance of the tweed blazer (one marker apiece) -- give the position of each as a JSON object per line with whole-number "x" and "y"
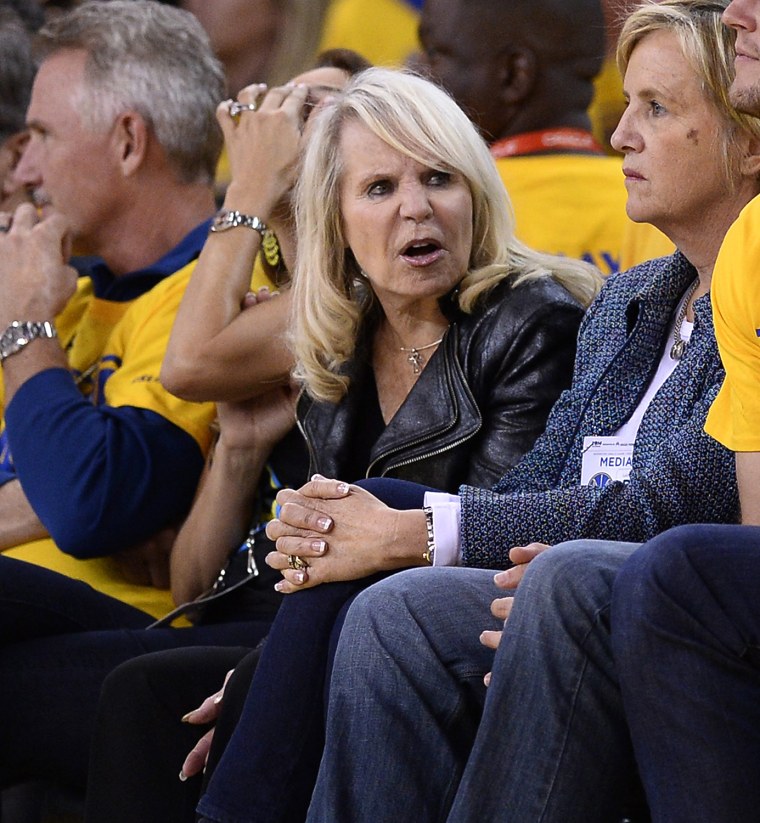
{"x": 679, "y": 474}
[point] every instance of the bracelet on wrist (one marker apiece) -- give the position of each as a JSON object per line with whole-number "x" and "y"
{"x": 226, "y": 219}
{"x": 429, "y": 554}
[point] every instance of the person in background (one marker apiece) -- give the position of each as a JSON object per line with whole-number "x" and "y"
{"x": 529, "y": 99}
{"x": 96, "y": 457}
{"x": 385, "y": 31}
{"x": 17, "y": 69}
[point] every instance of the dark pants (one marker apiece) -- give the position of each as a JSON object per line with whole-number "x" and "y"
{"x": 59, "y": 638}
{"x": 140, "y": 741}
{"x": 268, "y": 769}
{"x": 686, "y": 640}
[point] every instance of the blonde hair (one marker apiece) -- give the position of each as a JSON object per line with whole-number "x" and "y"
{"x": 708, "y": 46}
{"x": 418, "y": 119}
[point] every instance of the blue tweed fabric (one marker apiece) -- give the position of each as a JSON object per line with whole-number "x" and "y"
{"x": 679, "y": 474}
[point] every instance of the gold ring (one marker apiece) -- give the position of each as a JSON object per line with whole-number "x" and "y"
{"x": 297, "y": 563}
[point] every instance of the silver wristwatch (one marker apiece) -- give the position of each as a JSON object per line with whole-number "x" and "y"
{"x": 226, "y": 219}
{"x": 21, "y": 332}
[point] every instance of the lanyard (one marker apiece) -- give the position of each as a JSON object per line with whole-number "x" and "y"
{"x": 565, "y": 139}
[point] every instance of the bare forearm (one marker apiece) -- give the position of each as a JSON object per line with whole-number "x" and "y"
{"x": 408, "y": 541}
{"x": 215, "y": 351}
{"x": 748, "y": 479}
{"x": 218, "y": 521}
{"x": 19, "y": 522}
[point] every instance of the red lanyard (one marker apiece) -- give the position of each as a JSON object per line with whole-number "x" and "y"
{"x": 565, "y": 139}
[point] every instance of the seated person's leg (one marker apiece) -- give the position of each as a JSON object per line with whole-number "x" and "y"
{"x": 405, "y": 696}
{"x": 686, "y": 637}
{"x": 140, "y": 740}
{"x": 552, "y": 743}
{"x": 36, "y": 602}
{"x": 276, "y": 739}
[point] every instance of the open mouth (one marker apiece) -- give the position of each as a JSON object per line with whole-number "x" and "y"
{"x": 421, "y": 248}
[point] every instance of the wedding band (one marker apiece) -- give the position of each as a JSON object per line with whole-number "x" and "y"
{"x": 297, "y": 563}
{"x": 236, "y": 108}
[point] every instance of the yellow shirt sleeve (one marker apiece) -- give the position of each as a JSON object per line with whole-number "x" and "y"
{"x": 734, "y": 418}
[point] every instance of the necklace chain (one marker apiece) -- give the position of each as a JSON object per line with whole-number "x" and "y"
{"x": 413, "y": 356}
{"x": 679, "y": 344}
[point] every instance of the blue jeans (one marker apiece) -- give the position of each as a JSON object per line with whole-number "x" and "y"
{"x": 412, "y": 733}
{"x": 267, "y": 770}
{"x": 686, "y": 637}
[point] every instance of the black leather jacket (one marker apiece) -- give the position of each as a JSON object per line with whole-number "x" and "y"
{"x": 480, "y": 402}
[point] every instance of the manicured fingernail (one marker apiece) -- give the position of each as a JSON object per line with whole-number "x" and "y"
{"x": 501, "y": 577}
{"x": 318, "y": 546}
{"x": 300, "y": 577}
{"x": 219, "y": 698}
{"x": 487, "y": 679}
{"x": 343, "y": 488}
{"x": 317, "y": 477}
{"x": 182, "y": 776}
{"x": 279, "y": 587}
{"x": 186, "y": 717}
{"x": 324, "y": 523}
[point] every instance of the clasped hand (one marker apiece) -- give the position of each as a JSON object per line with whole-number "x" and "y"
{"x": 341, "y": 532}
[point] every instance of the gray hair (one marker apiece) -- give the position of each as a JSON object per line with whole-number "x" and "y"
{"x": 17, "y": 70}
{"x": 156, "y": 60}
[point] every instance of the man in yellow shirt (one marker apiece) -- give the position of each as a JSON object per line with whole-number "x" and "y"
{"x": 95, "y": 456}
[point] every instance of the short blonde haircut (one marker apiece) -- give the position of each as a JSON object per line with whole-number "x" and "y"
{"x": 708, "y": 46}
{"x": 418, "y": 119}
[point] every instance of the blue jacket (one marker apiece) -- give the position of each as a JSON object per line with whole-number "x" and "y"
{"x": 679, "y": 474}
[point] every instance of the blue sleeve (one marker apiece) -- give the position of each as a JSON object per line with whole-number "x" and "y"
{"x": 6, "y": 475}
{"x": 99, "y": 478}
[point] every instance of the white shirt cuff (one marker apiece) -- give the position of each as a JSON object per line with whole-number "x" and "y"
{"x": 447, "y": 510}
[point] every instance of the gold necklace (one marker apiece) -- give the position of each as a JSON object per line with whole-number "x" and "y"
{"x": 413, "y": 356}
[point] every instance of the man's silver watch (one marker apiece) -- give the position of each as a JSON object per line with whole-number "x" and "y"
{"x": 21, "y": 332}
{"x": 226, "y": 219}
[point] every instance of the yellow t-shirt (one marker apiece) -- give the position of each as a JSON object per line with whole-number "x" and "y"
{"x": 569, "y": 204}
{"x": 734, "y": 418}
{"x": 383, "y": 31}
{"x": 126, "y": 341}
{"x": 116, "y": 349}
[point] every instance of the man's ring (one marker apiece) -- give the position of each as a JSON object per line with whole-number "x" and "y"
{"x": 296, "y": 562}
{"x": 236, "y": 108}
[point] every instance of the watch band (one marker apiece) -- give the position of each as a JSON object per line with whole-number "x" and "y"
{"x": 227, "y": 219}
{"x": 21, "y": 332}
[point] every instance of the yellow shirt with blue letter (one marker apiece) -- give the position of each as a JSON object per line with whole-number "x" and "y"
{"x": 569, "y": 204}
